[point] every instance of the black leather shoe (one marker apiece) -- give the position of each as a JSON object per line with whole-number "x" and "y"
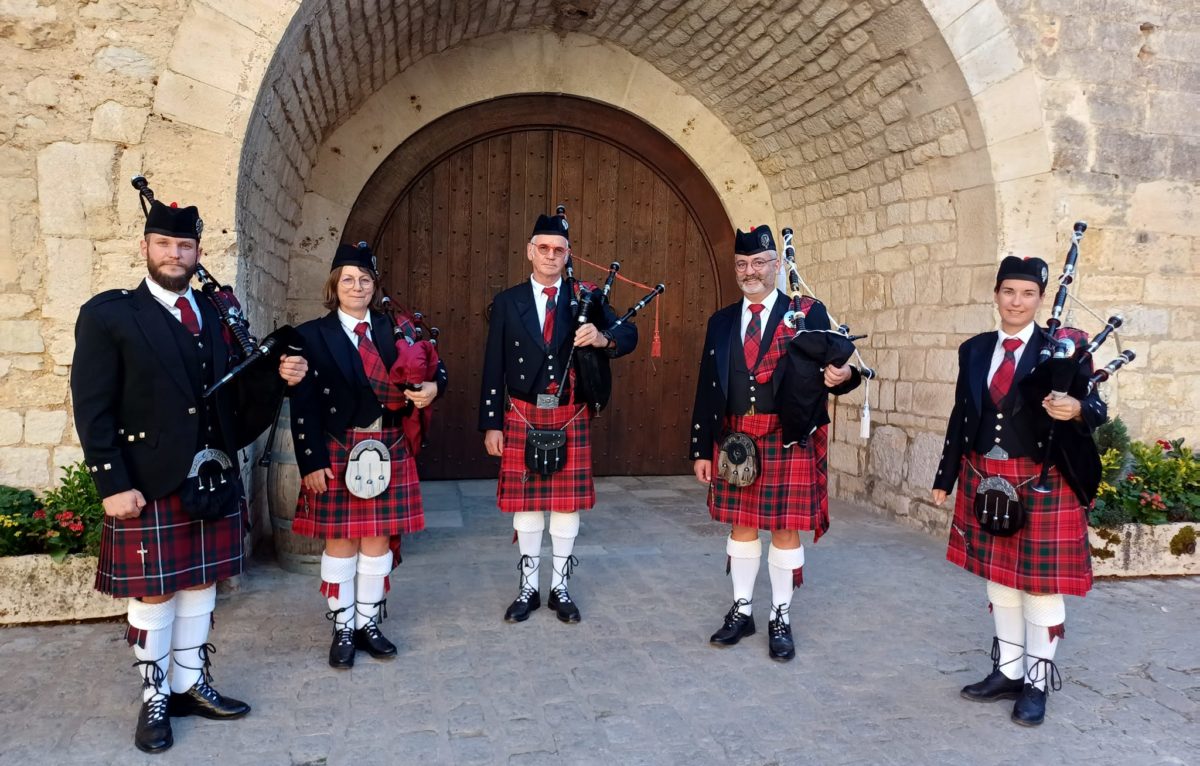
{"x": 1030, "y": 709}
{"x": 153, "y": 733}
{"x": 780, "y": 642}
{"x": 996, "y": 686}
{"x": 520, "y": 609}
{"x": 341, "y": 651}
{"x": 737, "y": 626}
{"x": 206, "y": 702}
{"x": 373, "y": 642}
{"x": 560, "y": 601}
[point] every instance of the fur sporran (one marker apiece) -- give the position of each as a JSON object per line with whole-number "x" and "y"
{"x": 737, "y": 462}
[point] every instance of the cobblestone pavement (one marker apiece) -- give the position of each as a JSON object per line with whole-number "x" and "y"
{"x": 887, "y": 633}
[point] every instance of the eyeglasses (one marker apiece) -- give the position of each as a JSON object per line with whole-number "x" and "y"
{"x": 758, "y": 264}
{"x": 544, "y": 250}
{"x": 349, "y": 283}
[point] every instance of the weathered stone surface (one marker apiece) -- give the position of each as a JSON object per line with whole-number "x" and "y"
{"x": 20, "y": 336}
{"x": 127, "y": 62}
{"x": 75, "y": 189}
{"x": 11, "y": 427}
{"x": 45, "y": 426}
{"x": 113, "y": 121}
{"x": 35, "y": 589}
{"x": 72, "y": 259}
{"x": 24, "y": 467}
{"x": 887, "y": 454}
{"x": 1143, "y": 550}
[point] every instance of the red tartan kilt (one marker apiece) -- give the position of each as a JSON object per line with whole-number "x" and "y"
{"x": 338, "y": 515}
{"x": 792, "y": 489}
{"x": 1049, "y": 555}
{"x": 179, "y": 552}
{"x": 570, "y": 489}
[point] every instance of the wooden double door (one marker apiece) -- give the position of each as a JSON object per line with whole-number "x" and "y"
{"x": 451, "y": 233}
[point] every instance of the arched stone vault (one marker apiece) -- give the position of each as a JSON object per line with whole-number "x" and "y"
{"x": 866, "y": 127}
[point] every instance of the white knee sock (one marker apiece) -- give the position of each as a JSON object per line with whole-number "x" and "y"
{"x": 372, "y": 571}
{"x": 564, "y": 528}
{"x": 193, "y": 618}
{"x": 1010, "y": 628}
{"x": 781, "y": 565}
{"x": 152, "y": 624}
{"x": 529, "y": 526}
{"x": 337, "y": 584}
{"x": 744, "y": 558}
{"x": 1045, "y": 617}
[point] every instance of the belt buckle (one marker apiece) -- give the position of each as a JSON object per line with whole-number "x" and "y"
{"x": 547, "y": 401}
{"x": 996, "y": 453}
{"x": 376, "y": 426}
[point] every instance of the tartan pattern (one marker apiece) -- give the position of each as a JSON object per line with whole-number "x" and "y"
{"x": 791, "y": 491}
{"x": 548, "y": 323}
{"x": 1049, "y": 555}
{"x": 187, "y": 316}
{"x": 752, "y": 340}
{"x": 180, "y": 552}
{"x": 570, "y": 489}
{"x": 377, "y": 372}
{"x": 338, "y": 515}
{"x": 1002, "y": 380}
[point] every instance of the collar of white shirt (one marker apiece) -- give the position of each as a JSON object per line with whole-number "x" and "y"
{"x": 768, "y": 303}
{"x": 1024, "y": 335}
{"x": 538, "y": 287}
{"x": 168, "y": 298}
{"x": 349, "y": 322}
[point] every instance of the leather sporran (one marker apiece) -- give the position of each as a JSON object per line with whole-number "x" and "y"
{"x": 737, "y": 462}
{"x": 998, "y": 507}
{"x": 545, "y": 450}
{"x": 212, "y": 488}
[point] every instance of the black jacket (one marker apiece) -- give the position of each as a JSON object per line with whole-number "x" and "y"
{"x": 517, "y": 358}
{"x": 335, "y": 395}
{"x": 712, "y": 386}
{"x": 1030, "y": 423}
{"x": 137, "y": 407}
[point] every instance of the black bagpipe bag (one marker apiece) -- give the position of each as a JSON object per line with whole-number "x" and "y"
{"x": 802, "y": 398}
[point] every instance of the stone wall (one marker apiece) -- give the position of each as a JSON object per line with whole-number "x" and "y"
{"x": 910, "y": 144}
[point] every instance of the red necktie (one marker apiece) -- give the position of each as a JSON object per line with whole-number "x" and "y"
{"x": 387, "y": 394}
{"x": 548, "y": 325}
{"x": 753, "y": 338}
{"x": 187, "y": 316}
{"x": 1002, "y": 380}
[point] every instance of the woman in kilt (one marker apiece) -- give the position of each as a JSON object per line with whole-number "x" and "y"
{"x": 740, "y": 378}
{"x": 360, "y": 488}
{"x": 995, "y": 434}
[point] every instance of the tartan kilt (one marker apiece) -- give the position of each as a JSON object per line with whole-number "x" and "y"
{"x": 570, "y": 489}
{"x": 338, "y": 515}
{"x": 792, "y": 489}
{"x": 179, "y": 551}
{"x": 1049, "y": 555}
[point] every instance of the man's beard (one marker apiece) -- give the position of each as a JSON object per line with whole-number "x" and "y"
{"x": 167, "y": 282}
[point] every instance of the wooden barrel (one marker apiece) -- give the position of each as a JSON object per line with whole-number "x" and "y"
{"x": 293, "y": 552}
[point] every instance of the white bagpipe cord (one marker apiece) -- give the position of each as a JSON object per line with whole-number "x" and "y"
{"x": 864, "y": 425}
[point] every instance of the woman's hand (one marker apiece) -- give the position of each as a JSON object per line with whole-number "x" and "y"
{"x": 424, "y": 396}
{"x": 317, "y": 481}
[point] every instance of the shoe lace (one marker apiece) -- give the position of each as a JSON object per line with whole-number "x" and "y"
{"x": 561, "y": 594}
{"x": 341, "y": 630}
{"x": 777, "y": 626}
{"x": 569, "y": 564}
{"x": 203, "y": 651}
{"x": 153, "y": 677}
{"x": 527, "y": 589}
{"x": 1049, "y": 674}
{"x": 996, "y": 664}
{"x": 377, "y": 611}
{"x": 735, "y": 615}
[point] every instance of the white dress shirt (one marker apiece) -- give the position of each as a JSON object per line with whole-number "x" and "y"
{"x": 349, "y": 323}
{"x": 768, "y": 304}
{"x": 539, "y": 299}
{"x": 998, "y": 354}
{"x": 168, "y": 298}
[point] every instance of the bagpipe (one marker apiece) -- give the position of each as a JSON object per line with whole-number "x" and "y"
{"x": 417, "y": 362}
{"x": 1065, "y": 368}
{"x": 808, "y": 352}
{"x": 590, "y": 365}
{"x": 248, "y": 350}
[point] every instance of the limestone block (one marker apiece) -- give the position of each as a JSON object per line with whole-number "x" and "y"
{"x": 116, "y": 122}
{"x": 35, "y": 589}
{"x": 20, "y": 336}
{"x": 1010, "y": 108}
{"x": 844, "y": 458}
{"x": 65, "y": 456}
{"x": 72, "y": 261}
{"x": 42, "y": 90}
{"x": 221, "y": 61}
{"x": 924, "y": 454}
{"x": 1141, "y": 550}
{"x": 75, "y": 189}
{"x": 256, "y": 15}
{"x": 1166, "y": 206}
{"x": 44, "y": 426}
{"x": 15, "y": 305}
{"x": 1021, "y": 156}
{"x": 977, "y": 24}
{"x": 11, "y": 427}
{"x": 886, "y": 454}
{"x": 1171, "y": 290}
{"x": 127, "y": 62}
{"x": 1175, "y": 356}
{"x": 25, "y": 467}
{"x": 944, "y": 12}
{"x": 994, "y": 61}
{"x": 933, "y": 399}
{"x": 196, "y": 103}
{"x": 1105, "y": 287}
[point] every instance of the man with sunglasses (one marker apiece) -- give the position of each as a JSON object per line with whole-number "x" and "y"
{"x": 735, "y": 422}
{"x": 530, "y": 333}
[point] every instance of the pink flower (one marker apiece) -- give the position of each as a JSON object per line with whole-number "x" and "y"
{"x": 39, "y": 514}
{"x": 1166, "y": 445}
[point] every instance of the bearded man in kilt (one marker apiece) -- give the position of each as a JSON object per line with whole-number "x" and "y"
{"x": 741, "y": 378}
{"x": 530, "y": 333}
{"x": 995, "y": 434}
{"x": 347, "y": 424}
{"x": 142, "y": 359}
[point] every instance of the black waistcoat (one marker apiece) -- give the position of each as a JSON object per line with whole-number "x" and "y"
{"x": 995, "y": 426}
{"x": 198, "y": 359}
{"x": 744, "y": 391}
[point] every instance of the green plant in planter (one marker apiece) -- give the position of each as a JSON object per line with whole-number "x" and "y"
{"x": 1158, "y": 484}
{"x": 16, "y": 509}
{"x": 73, "y": 515}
